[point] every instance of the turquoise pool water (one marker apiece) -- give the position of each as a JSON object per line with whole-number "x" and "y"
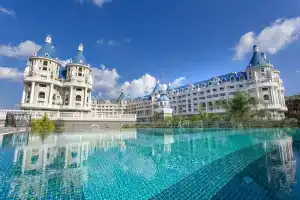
{"x": 152, "y": 164}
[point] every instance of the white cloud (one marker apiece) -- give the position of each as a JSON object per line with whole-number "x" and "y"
{"x": 178, "y": 82}
{"x": 100, "y": 3}
{"x": 10, "y": 73}
{"x": 101, "y": 41}
{"x": 139, "y": 87}
{"x": 271, "y": 39}
{"x": 113, "y": 43}
{"x": 64, "y": 62}
{"x": 105, "y": 82}
{"x": 24, "y": 49}
{"x": 7, "y": 11}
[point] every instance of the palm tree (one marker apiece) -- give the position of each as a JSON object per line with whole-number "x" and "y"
{"x": 240, "y": 108}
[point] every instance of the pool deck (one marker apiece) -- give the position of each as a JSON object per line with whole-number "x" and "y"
{"x": 9, "y": 130}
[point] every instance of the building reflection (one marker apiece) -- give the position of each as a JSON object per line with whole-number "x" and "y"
{"x": 281, "y": 165}
{"x": 57, "y": 163}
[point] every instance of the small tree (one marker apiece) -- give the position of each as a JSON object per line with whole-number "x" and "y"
{"x": 240, "y": 109}
{"x": 42, "y": 127}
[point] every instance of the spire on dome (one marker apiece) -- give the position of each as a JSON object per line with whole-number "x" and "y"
{"x": 255, "y": 48}
{"x": 157, "y": 87}
{"x": 258, "y": 58}
{"x": 79, "y": 58}
{"x": 48, "y": 39}
{"x": 169, "y": 89}
{"x": 47, "y": 49}
{"x": 80, "y": 47}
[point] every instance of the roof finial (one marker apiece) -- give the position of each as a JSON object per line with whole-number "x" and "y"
{"x": 80, "y": 47}
{"x": 255, "y": 48}
{"x": 48, "y": 39}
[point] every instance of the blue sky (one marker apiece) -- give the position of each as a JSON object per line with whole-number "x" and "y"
{"x": 138, "y": 40}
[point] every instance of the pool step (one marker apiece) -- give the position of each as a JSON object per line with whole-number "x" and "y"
{"x": 207, "y": 181}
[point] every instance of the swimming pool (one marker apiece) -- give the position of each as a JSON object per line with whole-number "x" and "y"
{"x": 152, "y": 164}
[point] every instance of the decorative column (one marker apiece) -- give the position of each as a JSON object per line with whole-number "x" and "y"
{"x": 71, "y": 96}
{"x": 32, "y": 91}
{"x": 272, "y": 95}
{"x": 23, "y": 95}
{"x": 85, "y": 102}
{"x": 90, "y": 99}
{"x": 50, "y": 94}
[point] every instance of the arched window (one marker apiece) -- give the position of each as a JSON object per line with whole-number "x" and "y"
{"x": 224, "y": 80}
{"x": 42, "y": 95}
{"x": 54, "y": 97}
{"x": 78, "y": 98}
{"x": 80, "y": 69}
{"x": 210, "y": 83}
{"x": 203, "y": 85}
{"x": 45, "y": 63}
{"x": 242, "y": 78}
{"x": 266, "y": 97}
{"x": 232, "y": 79}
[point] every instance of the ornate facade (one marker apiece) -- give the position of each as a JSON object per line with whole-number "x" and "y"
{"x": 50, "y": 86}
{"x": 260, "y": 79}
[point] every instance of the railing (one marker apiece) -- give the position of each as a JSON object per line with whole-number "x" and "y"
{"x": 73, "y": 116}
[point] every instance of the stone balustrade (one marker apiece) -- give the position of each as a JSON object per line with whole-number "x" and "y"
{"x": 73, "y": 116}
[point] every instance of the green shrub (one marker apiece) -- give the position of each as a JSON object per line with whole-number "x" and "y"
{"x": 42, "y": 126}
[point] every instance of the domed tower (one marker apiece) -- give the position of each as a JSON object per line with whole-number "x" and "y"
{"x": 79, "y": 81}
{"x": 41, "y": 79}
{"x": 156, "y": 91}
{"x": 266, "y": 83}
{"x": 162, "y": 107}
{"x": 169, "y": 88}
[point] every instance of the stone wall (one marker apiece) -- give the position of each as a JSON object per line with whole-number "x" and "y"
{"x": 88, "y": 126}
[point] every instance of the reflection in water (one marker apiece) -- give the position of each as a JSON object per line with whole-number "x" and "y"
{"x": 138, "y": 163}
{"x": 270, "y": 177}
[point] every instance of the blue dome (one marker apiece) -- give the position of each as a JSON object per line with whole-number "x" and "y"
{"x": 62, "y": 73}
{"x": 169, "y": 88}
{"x": 121, "y": 97}
{"x": 163, "y": 97}
{"x": 258, "y": 58}
{"x": 157, "y": 88}
{"x": 79, "y": 58}
{"x": 47, "y": 51}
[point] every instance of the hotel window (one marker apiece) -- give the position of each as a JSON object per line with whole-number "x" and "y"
{"x": 214, "y": 90}
{"x": 78, "y": 89}
{"x": 78, "y": 98}
{"x": 42, "y": 85}
{"x": 232, "y": 79}
{"x": 42, "y": 95}
{"x": 266, "y": 97}
{"x": 231, "y": 87}
{"x": 262, "y": 71}
{"x": 265, "y": 89}
{"x": 249, "y": 75}
{"x": 221, "y": 89}
{"x": 44, "y": 68}
{"x": 45, "y": 63}
{"x": 242, "y": 78}
{"x": 241, "y": 86}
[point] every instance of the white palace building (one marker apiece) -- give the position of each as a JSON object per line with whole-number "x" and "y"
{"x": 66, "y": 91}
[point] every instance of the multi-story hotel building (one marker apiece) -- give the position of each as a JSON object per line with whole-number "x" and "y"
{"x": 50, "y": 86}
